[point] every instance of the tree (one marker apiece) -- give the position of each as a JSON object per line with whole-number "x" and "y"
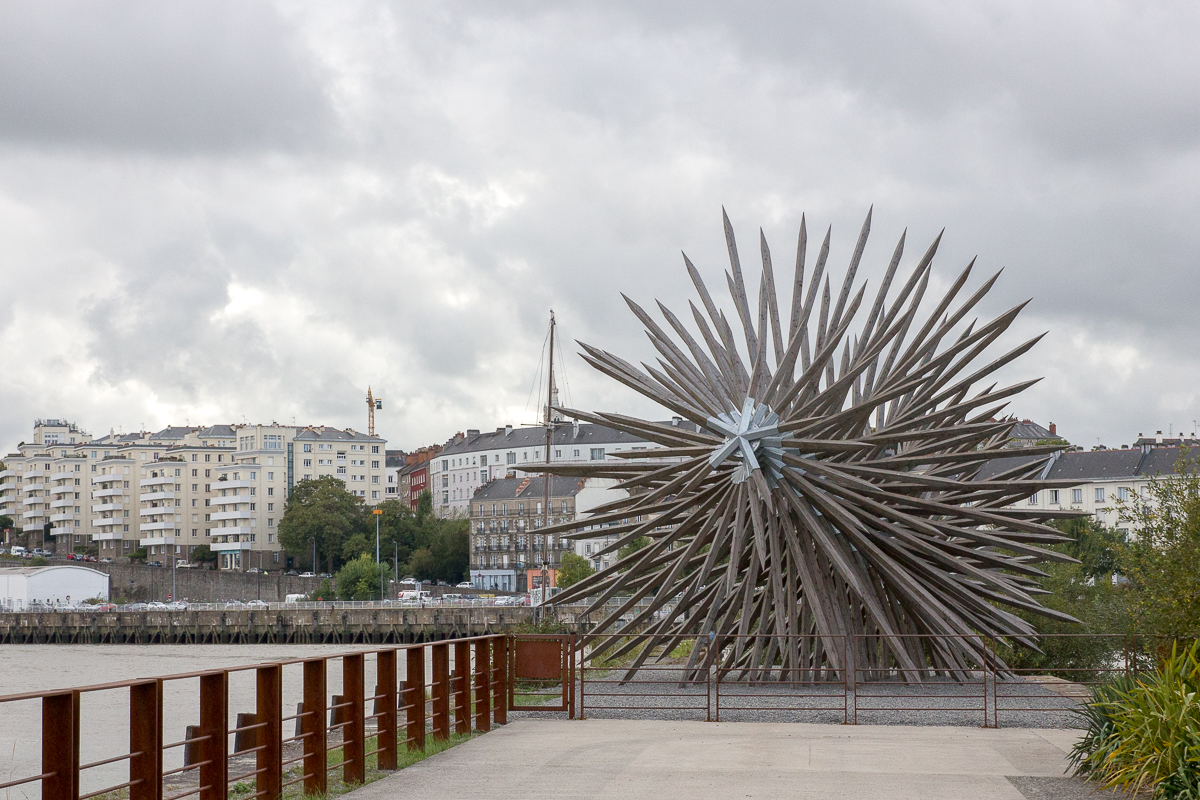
{"x": 138, "y": 555}
{"x": 203, "y": 554}
{"x": 1087, "y": 592}
{"x": 361, "y": 579}
{"x": 574, "y": 568}
{"x": 322, "y": 509}
{"x": 1162, "y": 560}
{"x": 633, "y": 546}
{"x": 6, "y": 524}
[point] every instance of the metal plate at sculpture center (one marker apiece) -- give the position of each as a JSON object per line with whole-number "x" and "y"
{"x": 827, "y": 488}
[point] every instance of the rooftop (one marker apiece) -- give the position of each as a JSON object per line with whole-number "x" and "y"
{"x": 584, "y": 434}
{"x": 532, "y": 488}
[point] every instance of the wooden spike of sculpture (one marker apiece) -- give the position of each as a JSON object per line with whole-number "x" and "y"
{"x": 829, "y": 490}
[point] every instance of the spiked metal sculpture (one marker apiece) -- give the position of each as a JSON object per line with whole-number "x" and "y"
{"x": 828, "y": 492}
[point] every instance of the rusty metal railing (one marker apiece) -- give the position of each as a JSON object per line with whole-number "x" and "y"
{"x": 464, "y": 689}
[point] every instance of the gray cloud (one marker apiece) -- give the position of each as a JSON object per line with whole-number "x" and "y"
{"x": 301, "y": 200}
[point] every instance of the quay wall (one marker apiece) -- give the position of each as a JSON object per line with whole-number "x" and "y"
{"x": 274, "y": 626}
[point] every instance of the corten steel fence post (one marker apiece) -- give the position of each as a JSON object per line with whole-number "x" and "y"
{"x": 354, "y": 733}
{"x": 312, "y": 727}
{"x": 214, "y": 732}
{"x": 483, "y": 685}
{"x": 462, "y": 687}
{"x": 499, "y": 678}
{"x": 851, "y": 675}
{"x": 386, "y": 721}
{"x": 441, "y": 692}
{"x": 145, "y": 741}
{"x": 60, "y": 746}
{"x": 571, "y": 677}
{"x": 414, "y": 698}
{"x": 269, "y": 738}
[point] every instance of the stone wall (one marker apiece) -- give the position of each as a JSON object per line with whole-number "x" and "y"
{"x": 135, "y": 582}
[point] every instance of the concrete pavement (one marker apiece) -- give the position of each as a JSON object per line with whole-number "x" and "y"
{"x": 634, "y": 759}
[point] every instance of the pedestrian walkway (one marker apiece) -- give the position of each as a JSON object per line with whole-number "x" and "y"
{"x": 531, "y": 759}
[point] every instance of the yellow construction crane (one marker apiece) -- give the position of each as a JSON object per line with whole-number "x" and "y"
{"x": 373, "y": 404}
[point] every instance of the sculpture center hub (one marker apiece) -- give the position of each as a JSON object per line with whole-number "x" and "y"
{"x": 751, "y": 437}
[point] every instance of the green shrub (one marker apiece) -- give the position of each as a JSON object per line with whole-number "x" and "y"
{"x": 1145, "y": 733}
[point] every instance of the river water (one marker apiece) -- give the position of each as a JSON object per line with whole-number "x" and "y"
{"x": 104, "y": 715}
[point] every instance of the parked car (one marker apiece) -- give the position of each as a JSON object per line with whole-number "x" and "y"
{"x": 106, "y": 560}
{"x": 135, "y": 607}
{"x": 253, "y": 571}
{"x": 324, "y": 575}
{"x": 235, "y": 604}
{"x": 304, "y": 574}
{"x": 178, "y": 605}
{"x": 183, "y": 565}
{"x": 92, "y": 559}
{"x": 104, "y": 607}
{"x": 292, "y": 572}
{"x": 154, "y": 564}
{"x": 156, "y": 606}
{"x": 256, "y": 604}
{"x": 464, "y": 585}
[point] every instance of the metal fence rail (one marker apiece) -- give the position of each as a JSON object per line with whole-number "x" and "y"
{"x": 464, "y": 689}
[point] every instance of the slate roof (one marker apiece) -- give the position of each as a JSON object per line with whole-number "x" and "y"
{"x": 588, "y": 435}
{"x": 1095, "y": 465}
{"x": 1029, "y": 430}
{"x": 173, "y": 432}
{"x": 334, "y": 435}
{"x": 506, "y": 488}
{"x": 217, "y": 432}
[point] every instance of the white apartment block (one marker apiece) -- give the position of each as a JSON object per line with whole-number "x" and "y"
{"x": 1105, "y": 476}
{"x": 175, "y": 489}
{"x": 470, "y": 461}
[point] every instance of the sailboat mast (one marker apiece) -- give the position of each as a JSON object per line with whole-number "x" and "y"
{"x": 549, "y": 442}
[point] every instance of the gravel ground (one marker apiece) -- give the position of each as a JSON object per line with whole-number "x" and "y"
{"x": 658, "y": 694}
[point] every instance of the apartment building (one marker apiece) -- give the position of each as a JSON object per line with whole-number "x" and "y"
{"x": 1104, "y": 476}
{"x": 471, "y": 460}
{"x": 354, "y": 458}
{"x": 507, "y": 552}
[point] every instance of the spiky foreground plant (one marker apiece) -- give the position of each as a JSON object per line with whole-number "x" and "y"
{"x": 828, "y": 491}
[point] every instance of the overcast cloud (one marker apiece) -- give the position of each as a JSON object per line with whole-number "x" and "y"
{"x": 215, "y": 211}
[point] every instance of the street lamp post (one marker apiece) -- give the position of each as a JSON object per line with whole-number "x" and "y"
{"x": 313, "y": 539}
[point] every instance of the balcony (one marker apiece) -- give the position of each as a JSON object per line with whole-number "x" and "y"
{"x": 108, "y": 536}
{"x": 62, "y": 489}
{"x": 106, "y": 507}
{"x": 35, "y": 527}
{"x": 159, "y": 481}
{"x": 149, "y": 498}
{"x": 116, "y": 491}
{"x": 58, "y": 477}
{"x": 156, "y": 540}
{"x": 220, "y": 515}
{"x": 231, "y": 531}
{"x": 107, "y": 522}
{"x": 229, "y": 547}
{"x": 63, "y": 503}
{"x": 157, "y": 526}
{"x": 33, "y": 487}
{"x": 158, "y": 511}
{"x": 107, "y": 479}
{"x": 230, "y": 500}
{"x": 35, "y": 513}
{"x": 233, "y": 484}
{"x": 62, "y": 517}
{"x": 8, "y": 473}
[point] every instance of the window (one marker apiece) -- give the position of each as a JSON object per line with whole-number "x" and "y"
{"x": 308, "y": 448}
{"x": 597, "y": 454}
{"x": 270, "y": 491}
{"x": 375, "y": 495}
{"x": 270, "y": 522}
{"x": 1033, "y": 499}
{"x": 576, "y": 454}
{"x": 1123, "y": 493}
{"x": 1054, "y": 496}
{"x": 270, "y": 476}
{"x": 375, "y": 448}
{"x": 483, "y": 461}
{"x": 375, "y": 464}
{"x": 1099, "y": 495}
{"x": 1077, "y": 495}
{"x": 341, "y": 470}
{"x": 482, "y": 476}
{"x": 445, "y": 465}
{"x": 510, "y": 458}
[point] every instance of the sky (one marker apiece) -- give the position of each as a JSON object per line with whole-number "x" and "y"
{"x": 216, "y": 212}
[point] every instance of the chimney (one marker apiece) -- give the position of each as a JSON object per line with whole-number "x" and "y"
{"x": 507, "y": 430}
{"x": 574, "y": 429}
{"x": 472, "y": 432}
{"x": 1053, "y": 429}
{"x": 1158, "y": 437}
